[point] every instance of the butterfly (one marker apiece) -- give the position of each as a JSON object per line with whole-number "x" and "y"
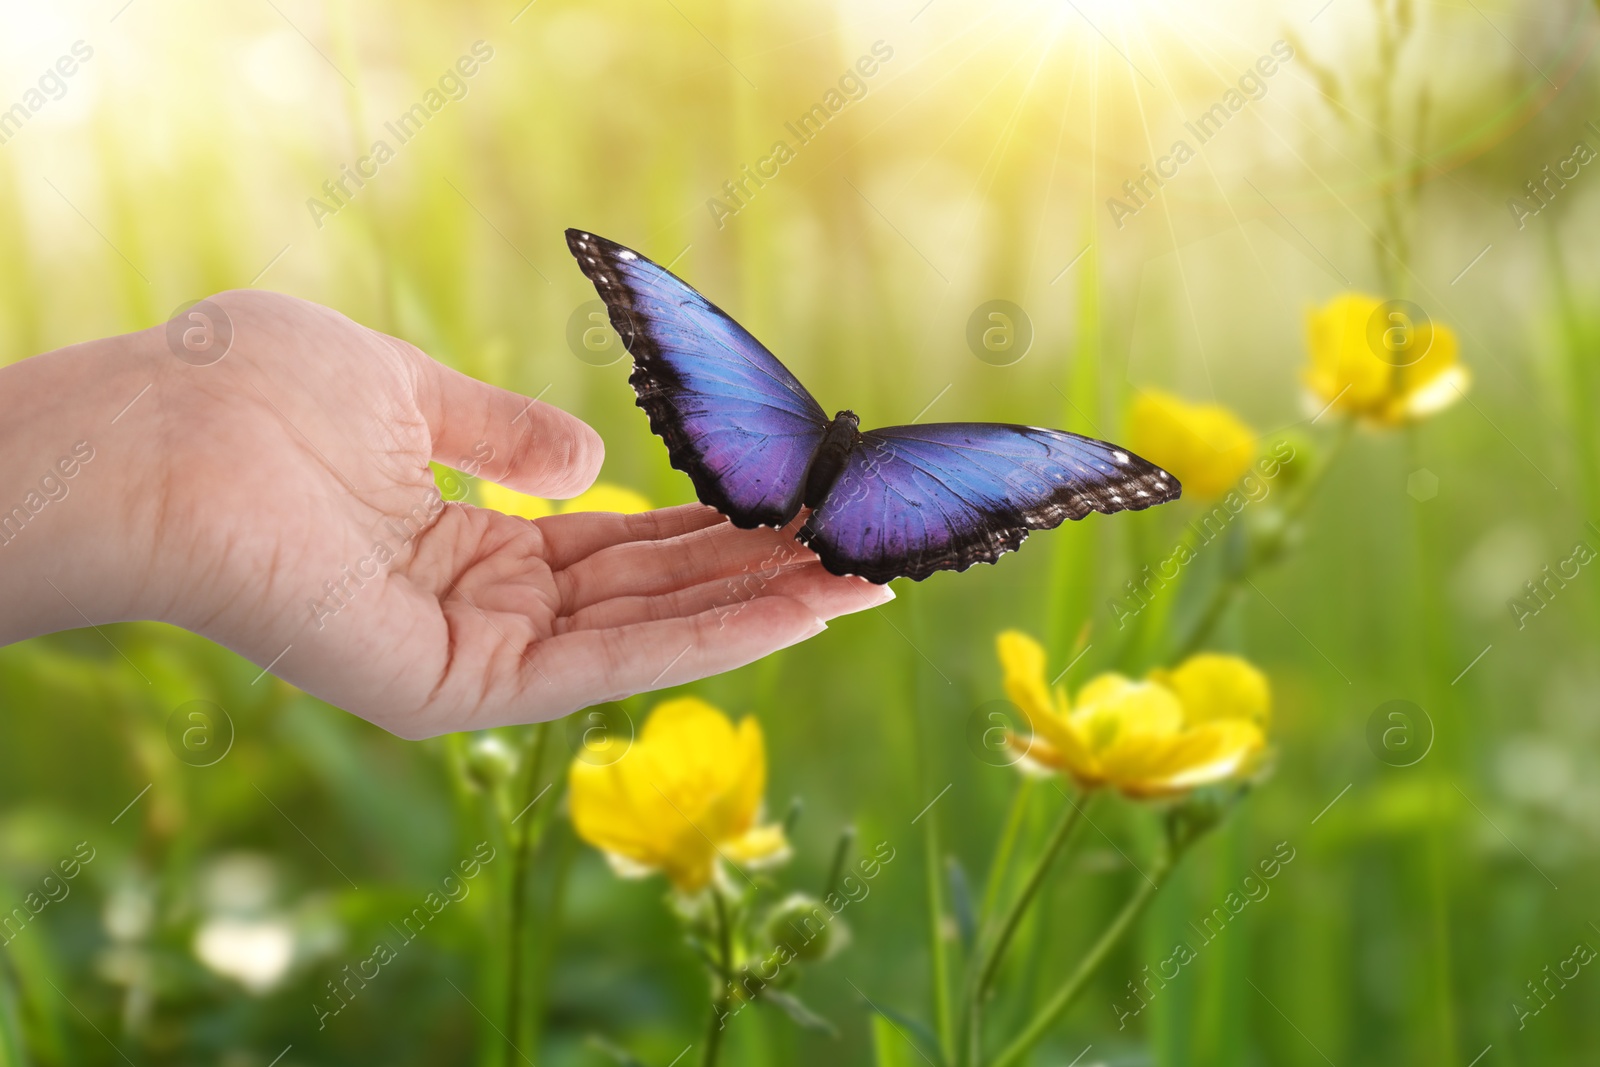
{"x": 902, "y": 501}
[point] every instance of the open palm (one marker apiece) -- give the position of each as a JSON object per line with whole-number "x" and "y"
{"x": 297, "y": 522}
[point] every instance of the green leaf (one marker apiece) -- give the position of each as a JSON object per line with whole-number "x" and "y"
{"x": 888, "y": 1046}
{"x": 907, "y": 1031}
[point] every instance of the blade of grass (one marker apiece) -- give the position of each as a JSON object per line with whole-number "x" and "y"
{"x": 516, "y": 921}
{"x": 932, "y": 866}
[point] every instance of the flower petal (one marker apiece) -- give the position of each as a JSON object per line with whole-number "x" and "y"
{"x": 1199, "y": 756}
{"x": 603, "y": 496}
{"x": 1034, "y": 754}
{"x": 1439, "y": 393}
{"x": 1056, "y": 741}
{"x": 690, "y": 785}
{"x": 761, "y": 846}
{"x": 510, "y": 502}
{"x": 604, "y": 812}
{"x": 1022, "y": 664}
{"x": 1215, "y": 686}
{"x": 1128, "y": 725}
{"x": 1388, "y": 373}
{"x": 1344, "y": 371}
{"x": 1205, "y": 445}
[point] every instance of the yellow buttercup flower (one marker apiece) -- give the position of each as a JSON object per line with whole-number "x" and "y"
{"x": 602, "y": 496}
{"x": 1200, "y": 723}
{"x": 687, "y": 794}
{"x": 1212, "y": 686}
{"x": 1205, "y": 445}
{"x": 1380, "y": 361}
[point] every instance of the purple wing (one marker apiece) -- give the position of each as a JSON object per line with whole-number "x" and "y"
{"x": 734, "y": 419}
{"x": 913, "y": 500}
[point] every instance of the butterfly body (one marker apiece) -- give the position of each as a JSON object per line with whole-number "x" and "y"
{"x": 841, "y": 437}
{"x": 900, "y": 501}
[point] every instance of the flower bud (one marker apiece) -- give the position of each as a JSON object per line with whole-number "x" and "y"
{"x": 806, "y": 927}
{"x": 490, "y": 761}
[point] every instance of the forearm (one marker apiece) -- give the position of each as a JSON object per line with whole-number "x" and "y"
{"x": 79, "y": 480}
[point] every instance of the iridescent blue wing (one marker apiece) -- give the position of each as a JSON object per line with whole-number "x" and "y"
{"x": 734, "y": 419}
{"x": 913, "y": 500}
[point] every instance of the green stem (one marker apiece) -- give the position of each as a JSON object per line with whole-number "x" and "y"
{"x": 1074, "y": 985}
{"x": 518, "y": 912}
{"x": 971, "y": 1037}
{"x": 1431, "y": 624}
{"x": 982, "y": 976}
{"x": 1008, "y": 927}
{"x": 933, "y": 873}
{"x": 841, "y": 855}
{"x": 936, "y": 941}
{"x": 539, "y": 971}
{"x": 1002, "y": 854}
{"x": 719, "y": 1006}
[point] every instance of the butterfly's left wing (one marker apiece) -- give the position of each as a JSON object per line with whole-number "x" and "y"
{"x": 913, "y": 500}
{"x": 734, "y": 419}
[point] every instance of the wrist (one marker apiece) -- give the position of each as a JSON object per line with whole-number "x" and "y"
{"x": 80, "y": 486}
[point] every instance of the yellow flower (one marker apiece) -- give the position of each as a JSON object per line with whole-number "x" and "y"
{"x": 686, "y": 794}
{"x": 1201, "y": 723}
{"x": 1212, "y": 686}
{"x": 1205, "y": 445}
{"x": 601, "y": 496}
{"x": 1375, "y": 361}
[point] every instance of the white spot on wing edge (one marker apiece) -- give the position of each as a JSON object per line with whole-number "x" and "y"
{"x": 625, "y": 254}
{"x": 1119, "y": 455}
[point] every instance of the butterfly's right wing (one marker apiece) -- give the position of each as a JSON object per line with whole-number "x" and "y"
{"x": 734, "y": 419}
{"x": 913, "y": 500}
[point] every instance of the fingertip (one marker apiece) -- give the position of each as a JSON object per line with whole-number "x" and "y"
{"x": 868, "y": 589}
{"x": 830, "y": 596}
{"x": 878, "y": 594}
{"x": 588, "y": 454}
{"x": 575, "y": 455}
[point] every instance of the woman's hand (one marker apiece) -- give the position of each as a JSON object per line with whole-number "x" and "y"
{"x": 279, "y": 501}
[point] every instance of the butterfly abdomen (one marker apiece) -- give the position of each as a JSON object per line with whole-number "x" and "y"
{"x": 841, "y": 437}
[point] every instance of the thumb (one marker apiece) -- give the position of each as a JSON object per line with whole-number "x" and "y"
{"x": 514, "y": 440}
